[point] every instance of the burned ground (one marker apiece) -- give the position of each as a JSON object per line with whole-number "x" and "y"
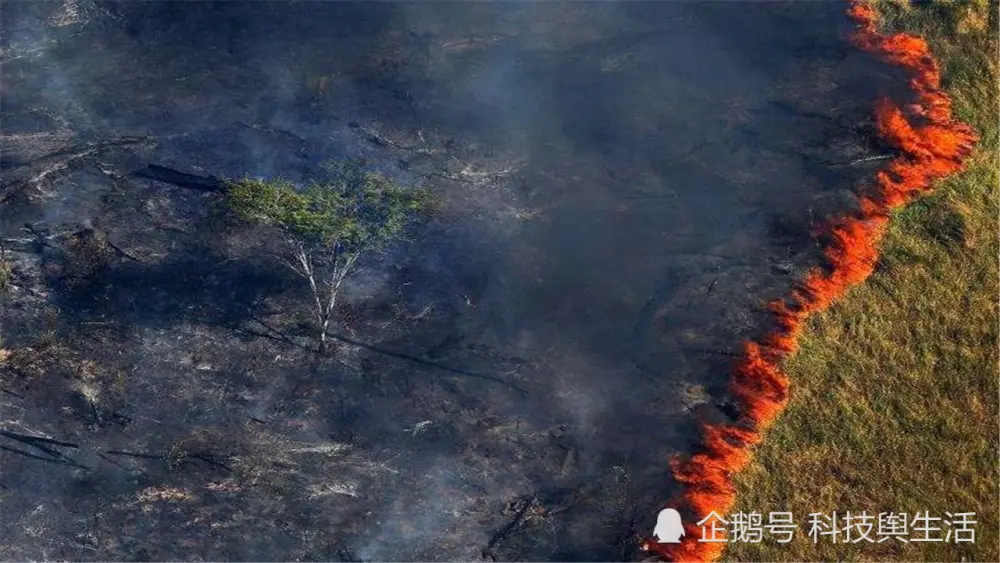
{"x": 623, "y": 186}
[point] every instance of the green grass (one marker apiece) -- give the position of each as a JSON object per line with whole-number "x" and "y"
{"x": 895, "y": 390}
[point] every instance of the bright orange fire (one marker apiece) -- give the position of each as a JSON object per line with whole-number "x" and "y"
{"x": 930, "y": 145}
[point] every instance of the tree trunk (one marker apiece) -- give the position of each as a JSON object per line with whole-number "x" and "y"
{"x": 324, "y": 324}
{"x": 322, "y": 341}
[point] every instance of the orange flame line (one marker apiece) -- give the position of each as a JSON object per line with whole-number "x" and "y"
{"x": 931, "y": 145}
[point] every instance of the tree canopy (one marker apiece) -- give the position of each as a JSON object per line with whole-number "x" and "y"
{"x": 347, "y": 209}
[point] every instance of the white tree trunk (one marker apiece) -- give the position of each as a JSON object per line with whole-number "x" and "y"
{"x": 325, "y": 303}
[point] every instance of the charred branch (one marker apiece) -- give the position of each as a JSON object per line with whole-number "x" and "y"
{"x": 421, "y": 361}
{"x": 36, "y": 171}
{"x": 57, "y": 461}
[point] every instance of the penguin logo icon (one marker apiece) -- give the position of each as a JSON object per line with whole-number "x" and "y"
{"x": 669, "y": 528}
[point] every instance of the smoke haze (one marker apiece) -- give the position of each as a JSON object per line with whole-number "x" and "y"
{"x": 624, "y": 186}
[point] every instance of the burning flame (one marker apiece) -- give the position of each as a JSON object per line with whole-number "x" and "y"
{"x": 930, "y": 145}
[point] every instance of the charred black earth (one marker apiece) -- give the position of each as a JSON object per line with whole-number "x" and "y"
{"x": 623, "y": 186}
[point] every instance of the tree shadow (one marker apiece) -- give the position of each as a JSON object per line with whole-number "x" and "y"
{"x": 195, "y": 285}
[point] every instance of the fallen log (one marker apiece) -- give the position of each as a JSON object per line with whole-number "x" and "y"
{"x": 180, "y": 179}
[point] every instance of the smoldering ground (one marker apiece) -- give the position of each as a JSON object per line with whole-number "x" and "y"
{"x": 622, "y": 187}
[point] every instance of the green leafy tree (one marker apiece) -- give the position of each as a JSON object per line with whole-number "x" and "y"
{"x": 329, "y": 224}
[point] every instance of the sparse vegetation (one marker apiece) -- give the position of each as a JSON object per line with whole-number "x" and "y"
{"x": 330, "y": 224}
{"x": 894, "y": 403}
{"x": 6, "y": 271}
{"x": 87, "y": 252}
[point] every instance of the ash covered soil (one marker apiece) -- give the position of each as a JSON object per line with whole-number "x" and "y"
{"x": 623, "y": 186}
